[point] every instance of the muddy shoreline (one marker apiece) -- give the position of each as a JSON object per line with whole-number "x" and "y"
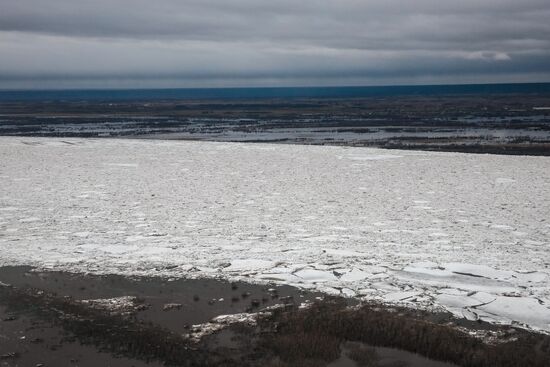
{"x": 56, "y": 318}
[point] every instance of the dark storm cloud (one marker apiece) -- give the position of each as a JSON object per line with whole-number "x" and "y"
{"x": 290, "y": 42}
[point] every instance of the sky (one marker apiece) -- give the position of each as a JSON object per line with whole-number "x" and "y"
{"x": 233, "y": 43}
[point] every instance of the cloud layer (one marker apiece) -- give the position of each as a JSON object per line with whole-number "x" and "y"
{"x": 171, "y": 43}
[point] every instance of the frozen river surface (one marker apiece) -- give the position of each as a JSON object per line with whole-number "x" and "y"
{"x": 468, "y": 233}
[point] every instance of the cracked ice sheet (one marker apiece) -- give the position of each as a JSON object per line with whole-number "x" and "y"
{"x": 461, "y": 231}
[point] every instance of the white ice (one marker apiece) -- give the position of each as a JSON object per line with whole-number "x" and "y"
{"x": 468, "y": 233}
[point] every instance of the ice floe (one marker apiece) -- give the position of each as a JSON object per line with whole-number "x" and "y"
{"x": 462, "y": 232}
{"x": 249, "y": 265}
{"x": 315, "y": 276}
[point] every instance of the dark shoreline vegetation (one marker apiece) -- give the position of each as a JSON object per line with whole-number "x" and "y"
{"x": 149, "y": 329}
{"x": 487, "y": 123}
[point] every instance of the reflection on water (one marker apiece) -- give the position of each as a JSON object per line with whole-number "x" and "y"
{"x": 356, "y": 354}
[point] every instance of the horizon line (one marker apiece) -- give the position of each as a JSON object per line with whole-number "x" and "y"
{"x": 2, "y": 90}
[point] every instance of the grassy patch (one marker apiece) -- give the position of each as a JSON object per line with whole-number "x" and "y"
{"x": 317, "y": 333}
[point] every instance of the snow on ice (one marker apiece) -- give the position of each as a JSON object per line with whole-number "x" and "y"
{"x": 464, "y": 232}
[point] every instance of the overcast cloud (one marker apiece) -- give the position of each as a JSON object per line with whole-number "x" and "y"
{"x": 189, "y": 43}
